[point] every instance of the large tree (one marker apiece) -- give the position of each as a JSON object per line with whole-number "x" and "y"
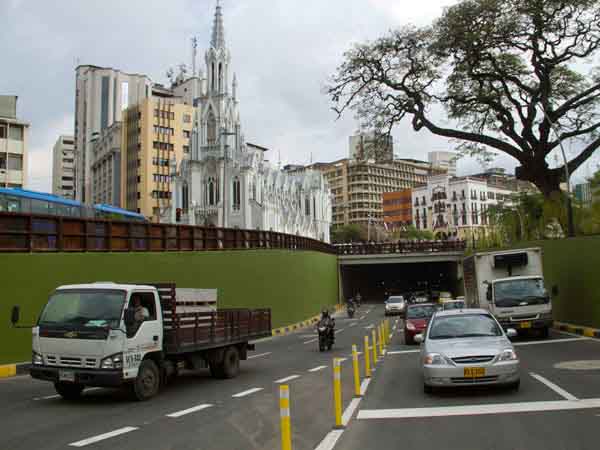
{"x": 502, "y": 71}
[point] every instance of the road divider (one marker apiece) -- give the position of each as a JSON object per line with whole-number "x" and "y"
{"x": 578, "y": 329}
{"x": 284, "y": 414}
{"x": 337, "y": 392}
{"x": 356, "y": 371}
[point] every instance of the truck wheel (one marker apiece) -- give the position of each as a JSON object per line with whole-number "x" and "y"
{"x": 544, "y": 332}
{"x": 147, "y": 383}
{"x": 216, "y": 370}
{"x": 231, "y": 362}
{"x": 69, "y": 391}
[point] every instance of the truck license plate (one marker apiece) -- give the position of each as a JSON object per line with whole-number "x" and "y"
{"x": 66, "y": 375}
{"x": 525, "y": 324}
{"x": 474, "y": 372}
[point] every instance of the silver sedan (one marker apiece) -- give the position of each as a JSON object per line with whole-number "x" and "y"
{"x": 467, "y": 347}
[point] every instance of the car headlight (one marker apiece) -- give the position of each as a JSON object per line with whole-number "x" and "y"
{"x": 36, "y": 359}
{"x": 435, "y": 359}
{"x": 507, "y": 355}
{"x": 112, "y": 362}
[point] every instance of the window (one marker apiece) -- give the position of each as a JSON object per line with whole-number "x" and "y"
{"x": 156, "y": 113}
{"x": 236, "y": 194}
{"x": 2, "y": 161}
{"x": 307, "y": 206}
{"x": 186, "y": 149}
{"x": 15, "y": 162}
{"x": 187, "y": 118}
{"x": 15, "y": 133}
{"x": 212, "y": 129}
{"x": 211, "y": 192}
{"x": 104, "y": 103}
{"x": 186, "y": 134}
{"x": 2, "y": 132}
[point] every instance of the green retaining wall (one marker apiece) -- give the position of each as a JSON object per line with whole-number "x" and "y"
{"x": 295, "y": 285}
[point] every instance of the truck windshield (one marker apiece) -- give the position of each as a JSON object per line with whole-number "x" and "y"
{"x": 83, "y": 309}
{"x": 523, "y": 292}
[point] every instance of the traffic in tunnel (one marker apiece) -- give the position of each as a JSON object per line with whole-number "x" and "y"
{"x": 375, "y": 282}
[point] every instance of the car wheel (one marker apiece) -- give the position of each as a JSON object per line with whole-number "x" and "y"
{"x": 427, "y": 389}
{"x": 69, "y": 391}
{"x": 514, "y": 386}
{"x": 147, "y": 383}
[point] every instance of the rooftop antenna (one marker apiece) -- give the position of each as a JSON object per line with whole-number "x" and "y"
{"x": 194, "y": 54}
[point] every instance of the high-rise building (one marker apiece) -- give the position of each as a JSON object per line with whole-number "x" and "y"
{"x": 397, "y": 209}
{"x": 155, "y": 139}
{"x": 444, "y": 160}
{"x": 13, "y": 144}
{"x": 101, "y": 94}
{"x": 583, "y": 193}
{"x": 371, "y": 147}
{"x": 106, "y": 166}
{"x": 63, "y": 167}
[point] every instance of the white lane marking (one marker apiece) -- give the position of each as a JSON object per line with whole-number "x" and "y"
{"x": 49, "y": 397}
{"x": 353, "y": 324}
{"x": 560, "y": 391}
{"x": 553, "y": 341}
{"x": 329, "y": 441}
{"x": 315, "y": 369}
{"x": 364, "y": 385}
{"x": 349, "y": 412}
{"x": 291, "y": 377}
{"x": 259, "y": 355}
{"x": 245, "y": 393}
{"x": 189, "y": 410}
{"x": 402, "y": 352}
{"x": 339, "y": 331}
{"x": 341, "y": 360}
{"x": 101, "y": 437}
{"x": 362, "y": 317}
{"x": 368, "y": 327}
{"x": 472, "y": 410}
{"x": 312, "y": 340}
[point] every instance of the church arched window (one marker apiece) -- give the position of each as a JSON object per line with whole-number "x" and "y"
{"x": 212, "y": 77}
{"x": 236, "y": 193}
{"x": 184, "y": 197}
{"x": 211, "y": 137}
{"x": 220, "y": 77}
{"x": 212, "y": 194}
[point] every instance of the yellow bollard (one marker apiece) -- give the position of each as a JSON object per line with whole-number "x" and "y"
{"x": 356, "y": 371}
{"x": 284, "y": 413}
{"x": 367, "y": 358}
{"x": 387, "y": 330}
{"x": 380, "y": 340}
{"x": 374, "y": 347}
{"x": 337, "y": 392}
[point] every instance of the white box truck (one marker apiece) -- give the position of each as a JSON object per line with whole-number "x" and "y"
{"x": 509, "y": 284}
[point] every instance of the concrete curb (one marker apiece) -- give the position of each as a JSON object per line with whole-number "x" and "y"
{"x": 12, "y": 370}
{"x": 298, "y": 326}
{"x": 577, "y": 329}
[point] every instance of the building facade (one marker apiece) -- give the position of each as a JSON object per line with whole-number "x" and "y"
{"x": 13, "y": 144}
{"x": 155, "y": 137}
{"x": 101, "y": 94}
{"x": 226, "y": 181}
{"x": 63, "y": 167}
{"x": 444, "y": 160}
{"x": 583, "y": 194}
{"x": 106, "y": 166}
{"x": 357, "y": 186}
{"x": 397, "y": 209}
{"x": 367, "y": 147}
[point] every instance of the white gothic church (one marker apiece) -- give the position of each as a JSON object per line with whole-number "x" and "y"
{"x": 226, "y": 182}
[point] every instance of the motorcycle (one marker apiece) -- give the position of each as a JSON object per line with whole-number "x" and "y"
{"x": 325, "y": 338}
{"x": 350, "y": 310}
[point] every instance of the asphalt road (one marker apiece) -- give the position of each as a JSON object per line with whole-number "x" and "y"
{"x": 559, "y": 406}
{"x": 196, "y": 411}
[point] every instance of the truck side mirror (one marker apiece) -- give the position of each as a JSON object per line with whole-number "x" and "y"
{"x": 488, "y": 294}
{"x": 15, "y": 314}
{"x": 129, "y": 317}
{"x": 554, "y": 290}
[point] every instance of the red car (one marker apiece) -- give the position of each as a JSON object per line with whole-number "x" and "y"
{"x": 417, "y": 318}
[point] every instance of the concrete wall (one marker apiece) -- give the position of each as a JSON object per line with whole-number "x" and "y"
{"x": 295, "y": 285}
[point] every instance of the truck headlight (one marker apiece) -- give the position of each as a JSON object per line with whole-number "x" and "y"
{"x": 507, "y": 355}
{"x": 435, "y": 359}
{"x": 36, "y": 359}
{"x": 112, "y": 362}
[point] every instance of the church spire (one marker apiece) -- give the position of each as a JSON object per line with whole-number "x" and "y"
{"x": 218, "y": 32}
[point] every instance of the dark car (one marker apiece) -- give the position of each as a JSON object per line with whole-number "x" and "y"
{"x": 417, "y": 318}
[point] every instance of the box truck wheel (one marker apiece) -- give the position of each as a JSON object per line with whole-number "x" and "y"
{"x": 69, "y": 391}
{"x": 231, "y": 362}
{"x": 147, "y": 383}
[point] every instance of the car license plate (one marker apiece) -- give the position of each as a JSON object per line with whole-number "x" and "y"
{"x": 66, "y": 375}
{"x": 525, "y": 324}
{"x": 474, "y": 372}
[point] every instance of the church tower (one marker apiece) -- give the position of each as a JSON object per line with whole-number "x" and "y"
{"x": 217, "y": 58}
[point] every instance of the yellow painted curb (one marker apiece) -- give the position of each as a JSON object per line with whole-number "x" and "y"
{"x": 575, "y": 329}
{"x": 9, "y": 370}
{"x": 285, "y": 330}
{"x": 589, "y": 332}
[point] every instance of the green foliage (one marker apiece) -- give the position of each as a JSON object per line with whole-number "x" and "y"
{"x": 349, "y": 233}
{"x": 412, "y": 233}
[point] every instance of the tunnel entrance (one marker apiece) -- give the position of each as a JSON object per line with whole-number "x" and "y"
{"x": 376, "y": 282}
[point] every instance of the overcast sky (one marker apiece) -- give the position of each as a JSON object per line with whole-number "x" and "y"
{"x": 282, "y": 51}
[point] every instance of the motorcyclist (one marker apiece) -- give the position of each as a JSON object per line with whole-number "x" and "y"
{"x": 351, "y": 306}
{"x": 358, "y": 299}
{"x": 327, "y": 321}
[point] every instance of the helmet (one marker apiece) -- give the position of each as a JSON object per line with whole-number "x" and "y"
{"x": 325, "y": 313}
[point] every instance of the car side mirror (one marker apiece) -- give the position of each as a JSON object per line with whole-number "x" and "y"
{"x": 419, "y": 338}
{"x": 554, "y": 290}
{"x": 129, "y": 317}
{"x": 511, "y": 333}
{"x": 15, "y": 314}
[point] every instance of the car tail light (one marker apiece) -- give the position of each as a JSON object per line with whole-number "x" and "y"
{"x": 410, "y": 326}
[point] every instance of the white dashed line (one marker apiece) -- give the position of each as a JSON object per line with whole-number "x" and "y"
{"x": 102, "y": 437}
{"x": 189, "y": 410}
{"x": 353, "y": 324}
{"x": 339, "y": 331}
{"x": 330, "y": 440}
{"x": 48, "y": 397}
{"x": 316, "y": 369}
{"x": 312, "y": 340}
{"x": 402, "y": 352}
{"x": 349, "y": 412}
{"x": 259, "y": 355}
{"x": 361, "y": 317}
{"x": 560, "y": 391}
{"x": 291, "y": 377}
{"x": 364, "y": 385}
{"x": 245, "y": 393}
{"x": 341, "y": 360}
{"x": 552, "y": 341}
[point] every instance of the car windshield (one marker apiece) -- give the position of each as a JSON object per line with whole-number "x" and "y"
{"x": 420, "y": 312}
{"x": 395, "y": 300}
{"x": 83, "y": 309}
{"x": 472, "y": 325}
{"x": 511, "y": 293}
{"x": 454, "y": 305}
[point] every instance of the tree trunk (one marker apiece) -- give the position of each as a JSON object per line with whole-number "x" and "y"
{"x": 545, "y": 179}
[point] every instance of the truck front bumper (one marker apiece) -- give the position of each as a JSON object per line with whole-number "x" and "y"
{"x": 526, "y": 324}
{"x": 87, "y": 377}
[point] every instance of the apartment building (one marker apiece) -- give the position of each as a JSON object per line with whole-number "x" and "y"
{"x": 444, "y": 160}
{"x": 13, "y": 144}
{"x": 63, "y": 167}
{"x": 155, "y": 138}
{"x": 368, "y": 146}
{"x": 106, "y": 166}
{"x": 397, "y": 209}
